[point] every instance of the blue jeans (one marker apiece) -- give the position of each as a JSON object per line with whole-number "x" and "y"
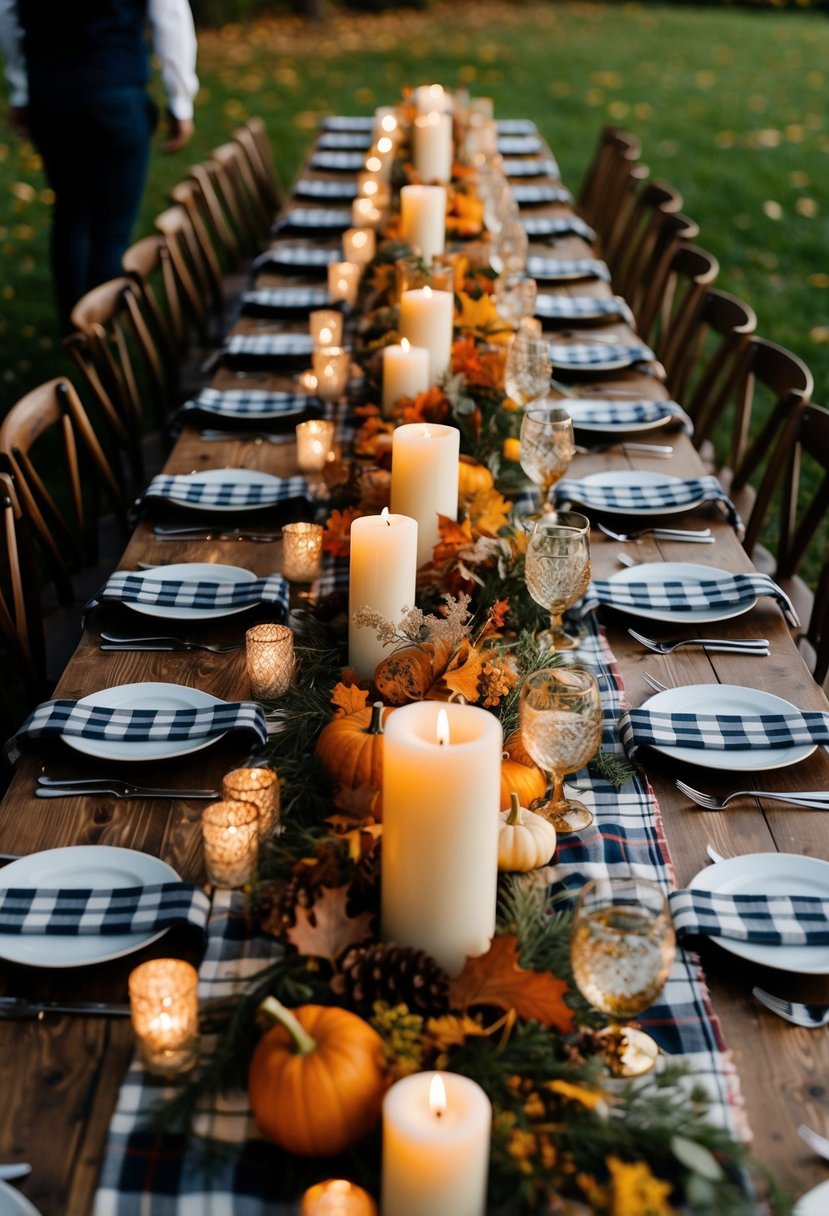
{"x": 96, "y": 153}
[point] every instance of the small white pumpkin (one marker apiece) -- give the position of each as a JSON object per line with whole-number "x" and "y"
{"x": 526, "y": 840}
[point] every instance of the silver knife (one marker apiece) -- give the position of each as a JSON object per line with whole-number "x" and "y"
{"x": 14, "y": 1007}
{"x": 118, "y": 789}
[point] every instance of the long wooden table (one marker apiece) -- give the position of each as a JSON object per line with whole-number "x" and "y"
{"x": 60, "y": 1075}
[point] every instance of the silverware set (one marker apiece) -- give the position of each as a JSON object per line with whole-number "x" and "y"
{"x": 276, "y": 438}
{"x": 16, "y": 1008}
{"x": 816, "y": 799}
{"x": 165, "y": 532}
{"x": 810, "y": 1016}
{"x": 74, "y": 787}
{"x": 663, "y": 450}
{"x": 756, "y": 646}
{"x": 113, "y": 642}
{"x": 700, "y": 536}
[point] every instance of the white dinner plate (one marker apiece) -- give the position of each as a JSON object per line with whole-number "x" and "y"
{"x": 728, "y": 699}
{"x": 638, "y": 477}
{"x": 814, "y": 1202}
{"x": 193, "y": 572}
{"x": 771, "y": 874}
{"x": 578, "y": 409}
{"x": 86, "y": 865}
{"x": 610, "y": 362}
{"x": 246, "y": 477}
{"x": 12, "y": 1203}
{"x": 690, "y": 574}
{"x": 147, "y": 695}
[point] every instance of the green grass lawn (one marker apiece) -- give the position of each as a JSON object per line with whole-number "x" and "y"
{"x": 729, "y": 104}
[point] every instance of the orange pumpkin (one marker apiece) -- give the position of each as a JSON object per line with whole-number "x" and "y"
{"x": 520, "y": 774}
{"x": 472, "y": 478}
{"x": 316, "y": 1080}
{"x": 351, "y": 747}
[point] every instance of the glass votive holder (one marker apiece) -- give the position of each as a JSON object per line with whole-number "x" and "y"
{"x": 365, "y": 213}
{"x": 331, "y": 365}
{"x": 269, "y": 651}
{"x": 301, "y": 552}
{"x": 442, "y": 273}
{"x": 230, "y": 834}
{"x": 260, "y": 787}
{"x": 314, "y": 440}
{"x": 337, "y": 1197}
{"x": 531, "y": 326}
{"x": 326, "y": 327}
{"x": 343, "y": 283}
{"x": 410, "y": 273}
{"x": 371, "y": 185}
{"x": 164, "y": 1006}
{"x": 359, "y": 246}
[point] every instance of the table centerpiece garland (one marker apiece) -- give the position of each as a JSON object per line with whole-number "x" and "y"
{"x": 564, "y": 1138}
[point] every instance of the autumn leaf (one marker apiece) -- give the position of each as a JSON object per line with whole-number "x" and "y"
{"x": 454, "y": 538}
{"x": 465, "y": 672}
{"x": 326, "y": 929}
{"x": 488, "y": 513}
{"x": 348, "y": 699}
{"x": 336, "y": 538}
{"x": 591, "y": 1098}
{"x": 496, "y": 978}
{"x": 453, "y": 1031}
{"x": 358, "y": 804}
{"x": 360, "y": 835}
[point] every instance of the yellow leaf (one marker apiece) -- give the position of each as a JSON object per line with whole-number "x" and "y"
{"x": 348, "y": 699}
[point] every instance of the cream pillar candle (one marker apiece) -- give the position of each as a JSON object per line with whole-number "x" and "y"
{"x": 382, "y": 573}
{"x": 424, "y": 478}
{"x": 426, "y": 319}
{"x": 436, "y": 1137}
{"x": 405, "y": 372}
{"x": 432, "y": 146}
{"x": 430, "y": 97}
{"x": 423, "y": 219}
{"x": 441, "y": 797}
{"x": 359, "y": 245}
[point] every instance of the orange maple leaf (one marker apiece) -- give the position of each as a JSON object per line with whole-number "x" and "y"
{"x": 336, "y": 538}
{"x": 496, "y": 978}
{"x": 429, "y": 406}
{"x": 348, "y": 699}
{"x": 326, "y": 929}
{"x": 464, "y": 672}
{"x": 454, "y": 538}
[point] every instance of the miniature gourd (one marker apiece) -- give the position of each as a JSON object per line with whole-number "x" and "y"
{"x": 520, "y": 773}
{"x": 526, "y": 840}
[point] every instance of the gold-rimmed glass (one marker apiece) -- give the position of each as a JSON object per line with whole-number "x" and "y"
{"x": 622, "y": 948}
{"x": 557, "y": 569}
{"x": 527, "y": 369}
{"x": 561, "y": 728}
{"x": 546, "y": 446}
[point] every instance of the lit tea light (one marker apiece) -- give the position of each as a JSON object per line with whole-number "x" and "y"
{"x": 331, "y": 367}
{"x": 374, "y": 164}
{"x": 307, "y": 381}
{"x": 385, "y": 145}
{"x": 230, "y": 835}
{"x": 365, "y": 213}
{"x": 314, "y": 440}
{"x": 359, "y": 246}
{"x": 260, "y": 787}
{"x": 165, "y": 1015}
{"x": 301, "y": 552}
{"x": 269, "y": 651}
{"x": 343, "y": 282}
{"x": 326, "y": 327}
{"x": 337, "y": 1197}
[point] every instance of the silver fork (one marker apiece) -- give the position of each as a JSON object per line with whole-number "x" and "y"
{"x": 817, "y": 799}
{"x": 818, "y": 1144}
{"x": 655, "y": 684}
{"x": 727, "y": 645}
{"x": 700, "y": 536}
{"x": 247, "y": 436}
{"x": 112, "y": 641}
{"x": 810, "y": 1016}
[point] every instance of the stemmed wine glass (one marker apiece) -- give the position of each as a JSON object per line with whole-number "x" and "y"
{"x": 557, "y": 569}
{"x": 546, "y": 447}
{"x": 561, "y": 727}
{"x": 622, "y": 948}
{"x": 528, "y": 370}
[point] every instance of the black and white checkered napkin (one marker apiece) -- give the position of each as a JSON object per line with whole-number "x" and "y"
{"x": 557, "y": 225}
{"x": 551, "y": 307}
{"x": 597, "y": 412}
{"x": 312, "y": 188}
{"x": 289, "y": 346}
{"x": 53, "y": 719}
{"x": 519, "y": 145}
{"x": 314, "y": 219}
{"x": 631, "y": 499}
{"x": 545, "y": 166}
{"x": 126, "y": 587}
{"x": 598, "y": 354}
{"x": 251, "y": 403}
{"x": 348, "y": 122}
{"x": 345, "y": 141}
{"x": 565, "y": 269}
{"x": 722, "y": 732}
{"x": 296, "y": 258}
{"x": 190, "y": 489}
{"x": 676, "y": 595}
{"x": 338, "y": 162}
{"x": 533, "y": 196}
{"x": 771, "y": 920}
{"x": 285, "y": 299}
{"x": 516, "y": 126}
{"x": 70, "y": 912}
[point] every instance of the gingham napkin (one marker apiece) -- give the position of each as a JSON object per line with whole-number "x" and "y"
{"x": 345, "y": 141}
{"x": 315, "y": 219}
{"x": 251, "y": 403}
{"x": 125, "y": 587}
{"x": 771, "y": 920}
{"x": 722, "y": 732}
{"x": 532, "y": 196}
{"x": 71, "y": 912}
{"x": 516, "y": 126}
{"x": 285, "y": 299}
{"x": 542, "y": 167}
{"x": 190, "y": 489}
{"x": 53, "y": 719}
{"x": 631, "y": 499}
{"x": 598, "y": 354}
{"x": 269, "y": 346}
{"x": 675, "y": 595}
{"x": 296, "y": 258}
{"x": 519, "y": 145}
{"x": 599, "y": 412}
{"x": 558, "y": 225}
{"x": 338, "y": 162}
{"x": 565, "y": 269}
{"x": 348, "y": 122}
{"x": 312, "y": 188}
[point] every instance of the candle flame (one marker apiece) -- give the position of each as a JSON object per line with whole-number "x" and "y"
{"x": 389, "y": 122}
{"x": 384, "y": 514}
{"x": 374, "y": 164}
{"x": 404, "y": 344}
{"x": 442, "y": 731}
{"x": 437, "y": 1096}
{"x": 369, "y": 188}
{"x": 384, "y": 144}
{"x": 427, "y": 291}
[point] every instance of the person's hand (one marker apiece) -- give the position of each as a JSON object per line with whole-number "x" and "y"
{"x": 180, "y": 132}
{"x": 19, "y": 121}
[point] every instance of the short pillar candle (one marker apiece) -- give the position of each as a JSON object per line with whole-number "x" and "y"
{"x": 432, "y": 142}
{"x": 231, "y": 842}
{"x": 423, "y": 219}
{"x": 165, "y": 1015}
{"x": 382, "y": 574}
{"x": 405, "y": 372}
{"x": 337, "y": 1197}
{"x": 269, "y": 652}
{"x": 259, "y": 787}
{"x": 314, "y": 440}
{"x": 424, "y": 478}
{"x": 426, "y": 319}
{"x": 301, "y": 552}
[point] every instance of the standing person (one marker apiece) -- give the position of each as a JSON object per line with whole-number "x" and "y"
{"x": 78, "y": 71}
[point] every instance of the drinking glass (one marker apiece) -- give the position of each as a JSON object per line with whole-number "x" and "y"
{"x": 622, "y": 948}
{"x": 527, "y": 370}
{"x": 515, "y": 298}
{"x": 557, "y": 569}
{"x": 546, "y": 447}
{"x": 561, "y": 728}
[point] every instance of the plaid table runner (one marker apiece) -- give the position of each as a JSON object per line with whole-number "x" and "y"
{"x": 148, "y": 589}
{"x": 530, "y": 196}
{"x": 298, "y": 258}
{"x": 269, "y": 346}
{"x": 345, "y": 141}
{"x": 722, "y": 590}
{"x": 285, "y": 299}
{"x": 603, "y": 412}
{"x": 191, "y": 490}
{"x": 772, "y": 920}
{"x": 558, "y": 225}
{"x": 631, "y": 499}
{"x": 519, "y": 145}
{"x": 52, "y": 719}
{"x": 542, "y": 167}
{"x": 599, "y": 354}
{"x": 723, "y": 732}
{"x": 563, "y": 270}
{"x": 338, "y": 162}
{"x": 253, "y": 403}
{"x": 80, "y": 911}
{"x": 319, "y": 219}
{"x": 550, "y": 307}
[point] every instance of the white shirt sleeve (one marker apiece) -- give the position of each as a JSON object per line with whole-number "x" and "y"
{"x": 174, "y": 41}
{"x": 11, "y": 44}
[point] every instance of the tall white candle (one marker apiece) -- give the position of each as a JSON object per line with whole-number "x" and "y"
{"x": 426, "y": 319}
{"x": 440, "y": 829}
{"x": 436, "y": 1137}
{"x": 382, "y": 572}
{"x": 423, "y": 219}
{"x": 432, "y": 97}
{"x": 432, "y": 146}
{"x": 424, "y": 478}
{"x": 405, "y": 372}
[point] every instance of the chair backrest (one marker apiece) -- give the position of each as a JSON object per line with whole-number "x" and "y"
{"x": 673, "y": 291}
{"x": 630, "y": 244}
{"x": 254, "y": 141}
{"x": 188, "y": 195}
{"x": 206, "y": 176}
{"x": 150, "y": 266}
{"x": 817, "y": 631}
{"x": 192, "y": 276}
{"x": 240, "y": 198}
{"x": 616, "y": 153}
{"x": 647, "y": 283}
{"x": 21, "y": 629}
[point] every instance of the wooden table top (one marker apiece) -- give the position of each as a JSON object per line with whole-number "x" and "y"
{"x": 61, "y": 1075}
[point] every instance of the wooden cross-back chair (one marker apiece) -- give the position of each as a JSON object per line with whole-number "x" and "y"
{"x": 254, "y": 141}
{"x": 629, "y": 246}
{"x": 616, "y": 157}
{"x": 648, "y": 277}
{"x": 679, "y": 280}
{"x": 150, "y": 266}
{"x": 191, "y": 273}
{"x": 250, "y": 216}
{"x": 21, "y": 629}
{"x": 189, "y": 196}
{"x": 206, "y": 176}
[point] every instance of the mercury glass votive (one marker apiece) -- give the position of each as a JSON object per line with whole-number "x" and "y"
{"x": 343, "y": 282}
{"x": 260, "y": 787}
{"x": 326, "y": 327}
{"x": 331, "y": 365}
{"x": 230, "y": 834}
{"x": 301, "y": 552}
{"x": 337, "y": 1197}
{"x": 165, "y": 1015}
{"x": 359, "y": 245}
{"x": 365, "y": 213}
{"x": 269, "y": 651}
{"x": 314, "y": 440}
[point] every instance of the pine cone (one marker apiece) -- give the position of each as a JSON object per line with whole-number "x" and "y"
{"x": 394, "y": 974}
{"x": 299, "y": 891}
